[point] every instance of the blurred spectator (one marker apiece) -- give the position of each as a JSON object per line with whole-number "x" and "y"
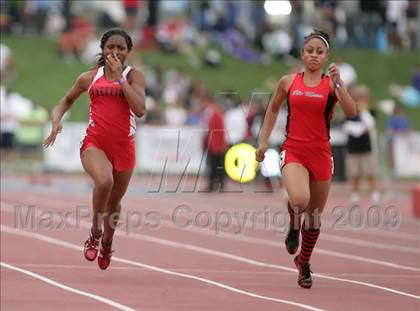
{"x": 412, "y": 23}
{"x": 362, "y": 148}
{"x": 11, "y": 17}
{"x": 236, "y": 45}
{"x": 177, "y": 34}
{"x": 7, "y": 62}
{"x": 277, "y": 42}
{"x": 29, "y": 137}
{"x": 175, "y": 115}
{"x": 408, "y": 95}
{"x": 8, "y": 124}
{"x": 13, "y": 108}
{"x": 176, "y": 86}
{"x": 398, "y": 124}
{"x": 396, "y": 18}
{"x": 36, "y": 14}
{"x": 351, "y": 11}
{"x": 370, "y": 21}
{"x": 214, "y": 143}
{"x": 30, "y": 134}
{"x": 195, "y": 102}
{"x": 131, "y": 8}
{"x": 347, "y": 72}
{"x": 73, "y": 42}
{"x": 92, "y": 49}
{"x": 154, "y": 112}
{"x": 236, "y": 123}
{"x": 154, "y": 81}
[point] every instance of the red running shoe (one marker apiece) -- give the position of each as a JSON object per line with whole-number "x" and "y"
{"x": 92, "y": 245}
{"x": 104, "y": 258}
{"x": 304, "y": 269}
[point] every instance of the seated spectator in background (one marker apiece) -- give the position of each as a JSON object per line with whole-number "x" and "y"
{"x": 362, "y": 148}
{"x": 131, "y": 8}
{"x": 176, "y": 115}
{"x": 154, "y": 112}
{"x": 235, "y": 44}
{"x": 73, "y": 42}
{"x": 408, "y": 95}
{"x": 398, "y": 124}
{"x": 277, "y": 42}
{"x": 396, "y": 18}
{"x": 154, "y": 81}
{"x": 194, "y": 102}
{"x": 178, "y": 35}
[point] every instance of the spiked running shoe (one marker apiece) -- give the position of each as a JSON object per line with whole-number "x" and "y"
{"x": 104, "y": 258}
{"x": 92, "y": 245}
{"x": 304, "y": 269}
{"x": 292, "y": 241}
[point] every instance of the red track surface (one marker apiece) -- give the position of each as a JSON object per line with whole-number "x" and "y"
{"x": 174, "y": 268}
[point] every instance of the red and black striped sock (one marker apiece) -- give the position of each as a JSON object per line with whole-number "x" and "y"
{"x": 295, "y": 217}
{"x": 309, "y": 238}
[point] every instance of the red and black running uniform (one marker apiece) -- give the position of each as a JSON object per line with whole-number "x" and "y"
{"x": 112, "y": 125}
{"x": 309, "y": 117}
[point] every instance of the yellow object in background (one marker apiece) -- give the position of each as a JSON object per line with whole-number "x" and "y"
{"x": 240, "y": 163}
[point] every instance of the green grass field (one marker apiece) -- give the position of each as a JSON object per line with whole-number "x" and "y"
{"x": 44, "y": 77}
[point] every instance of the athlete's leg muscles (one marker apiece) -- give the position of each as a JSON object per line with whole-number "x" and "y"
{"x": 312, "y": 218}
{"x": 113, "y": 208}
{"x": 99, "y": 168}
{"x": 296, "y": 183}
{"x": 319, "y": 191}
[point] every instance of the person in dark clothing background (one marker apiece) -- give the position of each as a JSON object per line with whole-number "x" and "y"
{"x": 215, "y": 143}
{"x": 362, "y": 148}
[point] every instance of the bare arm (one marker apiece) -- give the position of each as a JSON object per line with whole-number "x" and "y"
{"x": 134, "y": 93}
{"x": 65, "y": 103}
{"x": 271, "y": 115}
{"x": 340, "y": 91}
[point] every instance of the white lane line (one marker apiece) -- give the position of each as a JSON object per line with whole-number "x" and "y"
{"x": 235, "y": 258}
{"x": 368, "y": 260}
{"x": 62, "y": 243}
{"x": 341, "y": 239}
{"x": 104, "y": 300}
{"x": 267, "y": 242}
{"x": 256, "y": 262}
{"x": 215, "y": 271}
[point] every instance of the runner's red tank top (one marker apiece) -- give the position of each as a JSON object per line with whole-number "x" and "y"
{"x": 310, "y": 110}
{"x": 110, "y": 114}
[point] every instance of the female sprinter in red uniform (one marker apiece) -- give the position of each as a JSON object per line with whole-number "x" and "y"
{"x": 107, "y": 151}
{"x": 306, "y": 159}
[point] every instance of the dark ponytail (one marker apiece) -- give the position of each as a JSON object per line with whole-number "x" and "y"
{"x": 116, "y": 31}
